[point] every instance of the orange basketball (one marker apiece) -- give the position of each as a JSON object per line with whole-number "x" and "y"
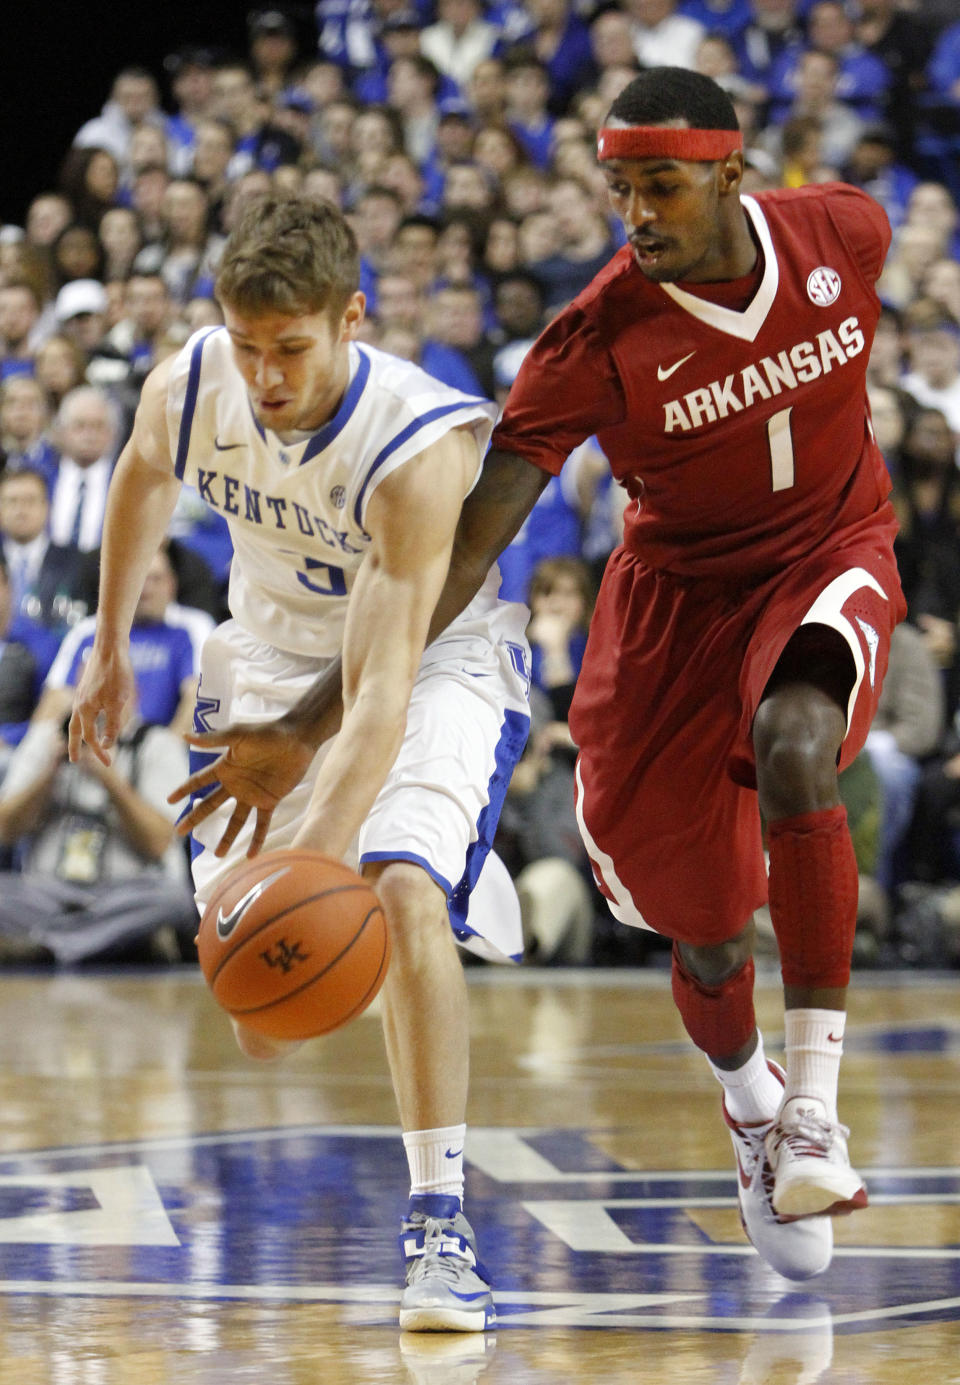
{"x": 293, "y": 944}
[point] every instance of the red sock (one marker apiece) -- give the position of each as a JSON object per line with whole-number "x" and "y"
{"x": 814, "y": 885}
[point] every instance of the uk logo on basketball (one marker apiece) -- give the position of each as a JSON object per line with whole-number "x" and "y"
{"x": 823, "y": 286}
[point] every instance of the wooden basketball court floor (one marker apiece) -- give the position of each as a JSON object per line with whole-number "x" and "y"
{"x": 171, "y": 1212}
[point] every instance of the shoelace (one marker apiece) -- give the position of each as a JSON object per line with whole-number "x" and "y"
{"x": 447, "y": 1264}
{"x": 810, "y": 1135}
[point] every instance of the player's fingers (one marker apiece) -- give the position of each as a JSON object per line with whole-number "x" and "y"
{"x": 260, "y": 829}
{"x": 207, "y": 739}
{"x": 240, "y": 814}
{"x": 198, "y": 780}
{"x": 201, "y": 810}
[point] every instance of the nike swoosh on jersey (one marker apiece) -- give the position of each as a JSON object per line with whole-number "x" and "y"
{"x": 226, "y": 923}
{"x": 227, "y": 446}
{"x": 665, "y": 374}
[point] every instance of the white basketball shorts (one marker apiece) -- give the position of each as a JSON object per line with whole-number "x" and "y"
{"x": 466, "y": 728}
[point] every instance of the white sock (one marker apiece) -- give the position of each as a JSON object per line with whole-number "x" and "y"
{"x": 435, "y": 1158}
{"x": 750, "y": 1093}
{"x": 814, "y": 1049}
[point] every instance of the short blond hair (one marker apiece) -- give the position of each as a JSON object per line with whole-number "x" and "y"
{"x": 289, "y": 253}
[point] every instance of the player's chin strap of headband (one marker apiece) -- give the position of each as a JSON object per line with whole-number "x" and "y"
{"x": 666, "y": 142}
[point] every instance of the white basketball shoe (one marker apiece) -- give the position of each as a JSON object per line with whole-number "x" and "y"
{"x": 811, "y": 1166}
{"x": 795, "y": 1249}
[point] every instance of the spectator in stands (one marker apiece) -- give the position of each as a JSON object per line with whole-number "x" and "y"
{"x": 47, "y": 215}
{"x": 89, "y": 179}
{"x": 81, "y": 313}
{"x": 501, "y": 247}
{"x": 455, "y": 322}
{"x": 134, "y": 98}
{"x": 87, "y": 433}
{"x": 519, "y": 307}
{"x": 662, "y": 35}
{"x": 888, "y": 413}
{"x": 586, "y": 243}
{"x": 927, "y": 501}
{"x": 188, "y": 253}
{"x": 273, "y": 49}
{"x": 165, "y": 645}
{"x": 498, "y": 149}
{"x": 931, "y": 204}
{"x": 24, "y": 421}
{"x": 414, "y": 251}
{"x": 148, "y": 308}
{"x": 412, "y": 87}
{"x": 873, "y": 166}
{"x": 941, "y": 285}
{"x": 538, "y": 838}
{"x": 907, "y": 728}
{"x": 212, "y": 150}
{"x": 528, "y": 101}
{"x": 815, "y": 97}
{"x": 26, "y": 653}
{"x": 916, "y": 246}
{"x": 934, "y": 377}
{"x": 459, "y": 39}
{"x": 863, "y": 80}
{"x": 259, "y": 142}
{"x": 773, "y": 27}
{"x": 59, "y": 366}
{"x": 121, "y": 237}
{"x": 886, "y": 362}
{"x": 902, "y": 42}
{"x": 560, "y": 39}
{"x": 190, "y": 71}
{"x": 43, "y": 575}
{"x": 77, "y": 254}
{"x": 102, "y": 869}
{"x": 376, "y": 215}
{"x": 19, "y": 315}
{"x": 486, "y": 91}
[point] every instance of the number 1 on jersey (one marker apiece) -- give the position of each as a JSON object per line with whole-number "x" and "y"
{"x": 780, "y": 440}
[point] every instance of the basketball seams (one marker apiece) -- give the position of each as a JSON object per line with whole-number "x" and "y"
{"x": 270, "y": 1004}
{"x": 244, "y": 938}
{"x": 371, "y": 989}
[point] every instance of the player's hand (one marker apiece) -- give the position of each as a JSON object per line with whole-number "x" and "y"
{"x": 258, "y": 766}
{"x": 103, "y": 694}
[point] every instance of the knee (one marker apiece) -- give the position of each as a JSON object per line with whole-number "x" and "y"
{"x": 415, "y": 908}
{"x": 715, "y": 963}
{"x": 797, "y": 735}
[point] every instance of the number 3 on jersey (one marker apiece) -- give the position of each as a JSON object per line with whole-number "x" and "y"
{"x": 780, "y": 441}
{"x": 331, "y": 580}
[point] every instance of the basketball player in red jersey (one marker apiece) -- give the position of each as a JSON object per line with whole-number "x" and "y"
{"x": 741, "y": 633}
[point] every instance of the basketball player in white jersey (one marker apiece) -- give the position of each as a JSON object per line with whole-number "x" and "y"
{"x": 341, "y": 472}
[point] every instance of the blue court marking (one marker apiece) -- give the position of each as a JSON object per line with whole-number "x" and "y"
{"x": 571, "y": 1238}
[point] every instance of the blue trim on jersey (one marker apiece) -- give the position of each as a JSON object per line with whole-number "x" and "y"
{"x": 513, "y": 738}
{"x": 190, "y": 404}
{"x": 325, "y": 436}
{"x": 198, "y": 759}
{"x": 414, "y": 859}
{"x": 401, "y": 438}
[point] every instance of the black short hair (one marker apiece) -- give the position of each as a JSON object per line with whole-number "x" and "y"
{"x": 674, "y": 93}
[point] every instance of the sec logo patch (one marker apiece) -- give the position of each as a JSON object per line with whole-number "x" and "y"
{"x": 823, "y": 286}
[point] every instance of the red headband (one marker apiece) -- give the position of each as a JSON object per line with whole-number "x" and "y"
{"x": 650, "y": 141}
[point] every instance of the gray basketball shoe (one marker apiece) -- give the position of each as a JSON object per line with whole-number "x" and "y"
{"x": 447, "y": 1288}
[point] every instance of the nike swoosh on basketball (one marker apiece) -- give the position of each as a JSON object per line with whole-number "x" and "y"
{"x": 227, "y": 446}
{"x": 226, "y": 923}
{"x": 665, "y": 374}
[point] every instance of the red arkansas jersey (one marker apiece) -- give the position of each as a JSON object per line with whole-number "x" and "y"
{"x": 742, "y": 434}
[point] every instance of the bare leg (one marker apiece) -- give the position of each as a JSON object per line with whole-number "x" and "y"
{"x": 425, "y": 1009}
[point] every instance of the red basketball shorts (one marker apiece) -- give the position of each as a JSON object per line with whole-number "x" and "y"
{"x": 674, "y": 671}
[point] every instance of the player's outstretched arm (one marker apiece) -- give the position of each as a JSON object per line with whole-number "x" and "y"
{"x": 143, "y": 492}
{"x": 411, "y": 518}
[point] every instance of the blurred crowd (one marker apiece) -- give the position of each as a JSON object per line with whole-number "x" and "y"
{"x": 459, "y": 137}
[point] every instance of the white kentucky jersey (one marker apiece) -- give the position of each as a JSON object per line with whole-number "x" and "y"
{"x": 296, "y": 511}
